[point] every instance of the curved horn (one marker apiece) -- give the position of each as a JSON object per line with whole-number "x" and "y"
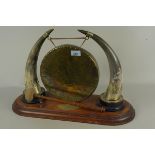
{"x": 113, "y": 93}
{"x": 31, "y": 80}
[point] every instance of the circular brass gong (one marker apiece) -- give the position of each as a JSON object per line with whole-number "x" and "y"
{"x": 69, "y": 73}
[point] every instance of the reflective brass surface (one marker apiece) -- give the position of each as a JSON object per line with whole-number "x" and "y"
{"x": 113, "y": 93}
{"x": 67, "y": 77}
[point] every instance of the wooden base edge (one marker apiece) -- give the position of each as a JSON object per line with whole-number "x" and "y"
{"x": 50, "y": 110}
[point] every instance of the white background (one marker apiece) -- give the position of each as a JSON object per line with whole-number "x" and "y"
{"x": 134, "y": 46}
{"x": 69, "y": 12}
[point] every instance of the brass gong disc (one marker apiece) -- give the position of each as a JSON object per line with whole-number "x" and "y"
{"x": 69, "y": 73}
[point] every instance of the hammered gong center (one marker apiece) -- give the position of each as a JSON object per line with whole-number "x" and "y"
{"x": 69, "y": 73}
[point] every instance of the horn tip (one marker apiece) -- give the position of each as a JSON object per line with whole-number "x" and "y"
{"x": 47, "y": 33}
{"x": 83, "y": 31}
{"x": 50, "y": 30}
{"x": 87, "y": 33}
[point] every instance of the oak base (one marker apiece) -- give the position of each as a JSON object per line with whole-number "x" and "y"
{"x": 58, "y": 111}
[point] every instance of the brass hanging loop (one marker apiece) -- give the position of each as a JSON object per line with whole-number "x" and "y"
{"x": 85, "y": 39}
{"x": 50, "y": 39}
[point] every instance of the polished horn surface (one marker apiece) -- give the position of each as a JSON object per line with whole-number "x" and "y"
{"x": 113, "y": 93}
{"x": 31, "y": 80}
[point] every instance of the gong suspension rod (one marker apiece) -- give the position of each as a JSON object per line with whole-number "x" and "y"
{"x": 99, "y": 109}
{"x": 85, "y": 39}
{"x": 50, "y": 38}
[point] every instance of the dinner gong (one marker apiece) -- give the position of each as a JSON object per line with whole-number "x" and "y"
{"x": 70, "y": 75}
{"x": 66, "y": 72}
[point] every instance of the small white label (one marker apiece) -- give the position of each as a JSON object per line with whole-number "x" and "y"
{"x": 75, "y": 53}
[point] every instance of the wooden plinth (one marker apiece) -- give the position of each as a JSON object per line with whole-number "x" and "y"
{"x": 55, "y": 110}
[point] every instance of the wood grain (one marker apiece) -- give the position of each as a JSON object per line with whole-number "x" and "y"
{"x": 51, "y": 110}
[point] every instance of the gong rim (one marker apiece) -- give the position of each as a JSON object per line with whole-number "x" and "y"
{"x": 75, "y": 90}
